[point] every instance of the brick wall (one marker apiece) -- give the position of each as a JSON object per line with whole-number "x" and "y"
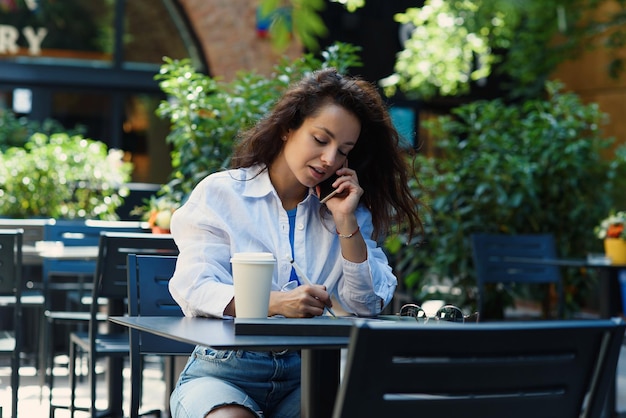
{"x": 587, "y": 76}
{"x": 227, "y": 32}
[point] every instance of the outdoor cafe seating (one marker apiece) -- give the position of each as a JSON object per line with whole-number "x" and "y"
{"x": 110, "y": 282}
{"x": 69, "y": 257}
{"x": 587, "y": 374}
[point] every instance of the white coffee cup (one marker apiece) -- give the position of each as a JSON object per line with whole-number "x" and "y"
{"x": 252, "y": 278}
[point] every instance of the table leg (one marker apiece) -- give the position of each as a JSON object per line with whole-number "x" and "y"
{"x": 610, "y": 307}
{"x": 115, "y": 366}
{"x": 320, "y": 381}
{"x": 115, "y": 381}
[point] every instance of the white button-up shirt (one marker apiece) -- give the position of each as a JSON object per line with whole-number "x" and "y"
{"x": 240, "y": 211}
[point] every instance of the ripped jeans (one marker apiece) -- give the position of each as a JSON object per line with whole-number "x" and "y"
{"x": 266, "y": 383}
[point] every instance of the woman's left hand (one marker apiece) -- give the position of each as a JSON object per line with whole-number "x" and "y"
{"x": 349, "y": 193}
{"x": 343, "y": 208}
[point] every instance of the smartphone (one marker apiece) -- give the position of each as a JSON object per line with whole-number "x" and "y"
{"x": 326, "y": 189}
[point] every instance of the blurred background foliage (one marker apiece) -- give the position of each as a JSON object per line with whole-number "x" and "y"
{"x": 62, "y": 176}
{"x": 531, "y": 167}
{"x": 16, "y": 131}
{"x": 454, "y": 44}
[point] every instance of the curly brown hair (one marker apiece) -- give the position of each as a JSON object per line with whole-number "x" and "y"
{"x": 377, "y": 156}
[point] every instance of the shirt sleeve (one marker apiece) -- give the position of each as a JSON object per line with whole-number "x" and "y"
{"x": 202, "y": 282}
{"x": 367, "y": 287}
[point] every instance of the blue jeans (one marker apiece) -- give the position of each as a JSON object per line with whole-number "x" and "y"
{"x": 264, "y": 382}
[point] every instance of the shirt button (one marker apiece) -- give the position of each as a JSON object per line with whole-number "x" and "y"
{"x": 300, "y": 227}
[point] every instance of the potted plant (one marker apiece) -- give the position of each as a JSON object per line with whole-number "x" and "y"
{"x": 158, "y": 212}
{"x": 611, "y": 231}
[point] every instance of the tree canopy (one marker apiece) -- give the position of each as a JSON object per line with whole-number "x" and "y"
{"x": 456, "y": 43}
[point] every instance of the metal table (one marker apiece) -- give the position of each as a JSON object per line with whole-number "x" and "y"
{"x": 320, "y": 354}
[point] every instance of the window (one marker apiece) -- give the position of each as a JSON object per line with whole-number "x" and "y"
{"x": 92, "y": 63}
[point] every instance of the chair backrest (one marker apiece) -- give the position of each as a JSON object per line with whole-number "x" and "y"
{"x": 490, "y": 252}
{"x": 33, "y": 232}
{"x": 75, "y": 233}
{"x": 11, "y": 263}
{"x": 149, "y": 295}
{"x": 111, "y": 279}
{"x": 499, "y": 369}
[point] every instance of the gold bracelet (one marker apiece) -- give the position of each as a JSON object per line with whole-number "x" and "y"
{"x": 356, "y": 231}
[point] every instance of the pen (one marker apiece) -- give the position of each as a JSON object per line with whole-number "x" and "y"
{"x": 306, "y": 280}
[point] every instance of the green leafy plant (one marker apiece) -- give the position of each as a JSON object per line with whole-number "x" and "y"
{"x": 207, "y": 114}
{"x": 454, "y": 44}
{"x": 15, "y": 131}
{"x": 62, "y": 176}
{"x": 537, "y": 166}
{"x": 517, "y": 43}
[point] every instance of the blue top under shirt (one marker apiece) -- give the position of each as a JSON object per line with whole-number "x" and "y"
{"x": 292, "y": 226}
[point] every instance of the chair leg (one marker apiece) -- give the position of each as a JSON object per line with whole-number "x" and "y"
{"x": 92, "y": 382}
{"x": 135, "y": 385}
{"x": 72, "y": 377}
{"x": 15, "y": 376}
{"x": 43, "y": 373}
{"x": 49, "y": 361}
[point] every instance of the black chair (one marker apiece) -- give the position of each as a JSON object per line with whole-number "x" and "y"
{"x": 10, "y": 295}
{"x": 148, "y": 295}
{"x": 33, "y": 232}
{"x": 110, "y": 282}
{"x": 67, "y": 284}
{"x": 32, "y": 293}
{"x": 498, "y": 369}
{"x": 492, "y": 254}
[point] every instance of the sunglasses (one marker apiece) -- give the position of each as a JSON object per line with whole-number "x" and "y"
{"x": 449, "y": 313}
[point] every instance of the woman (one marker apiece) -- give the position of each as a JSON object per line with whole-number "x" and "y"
{"x": 325, "y": 125}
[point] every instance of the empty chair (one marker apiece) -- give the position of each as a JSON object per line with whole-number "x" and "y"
{"x": 111, "y": 282}
{"x": 67, "y": 282}
{"x": 148, "y": 295}
{"x": 492, "y": 254}
{"x": 488, "y": 370}
{"x": 33, "y": 232}
{"x": 32, "y": 293}
{"x": 10, "y": 295}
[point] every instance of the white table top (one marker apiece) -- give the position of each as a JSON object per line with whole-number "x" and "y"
{"x": 62, "y": 252}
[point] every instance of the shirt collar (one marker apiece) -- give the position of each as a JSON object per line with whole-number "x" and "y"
{"x": 258, "y": 183}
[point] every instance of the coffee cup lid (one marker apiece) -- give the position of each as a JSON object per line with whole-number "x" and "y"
{"x": 254, "y": 256}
